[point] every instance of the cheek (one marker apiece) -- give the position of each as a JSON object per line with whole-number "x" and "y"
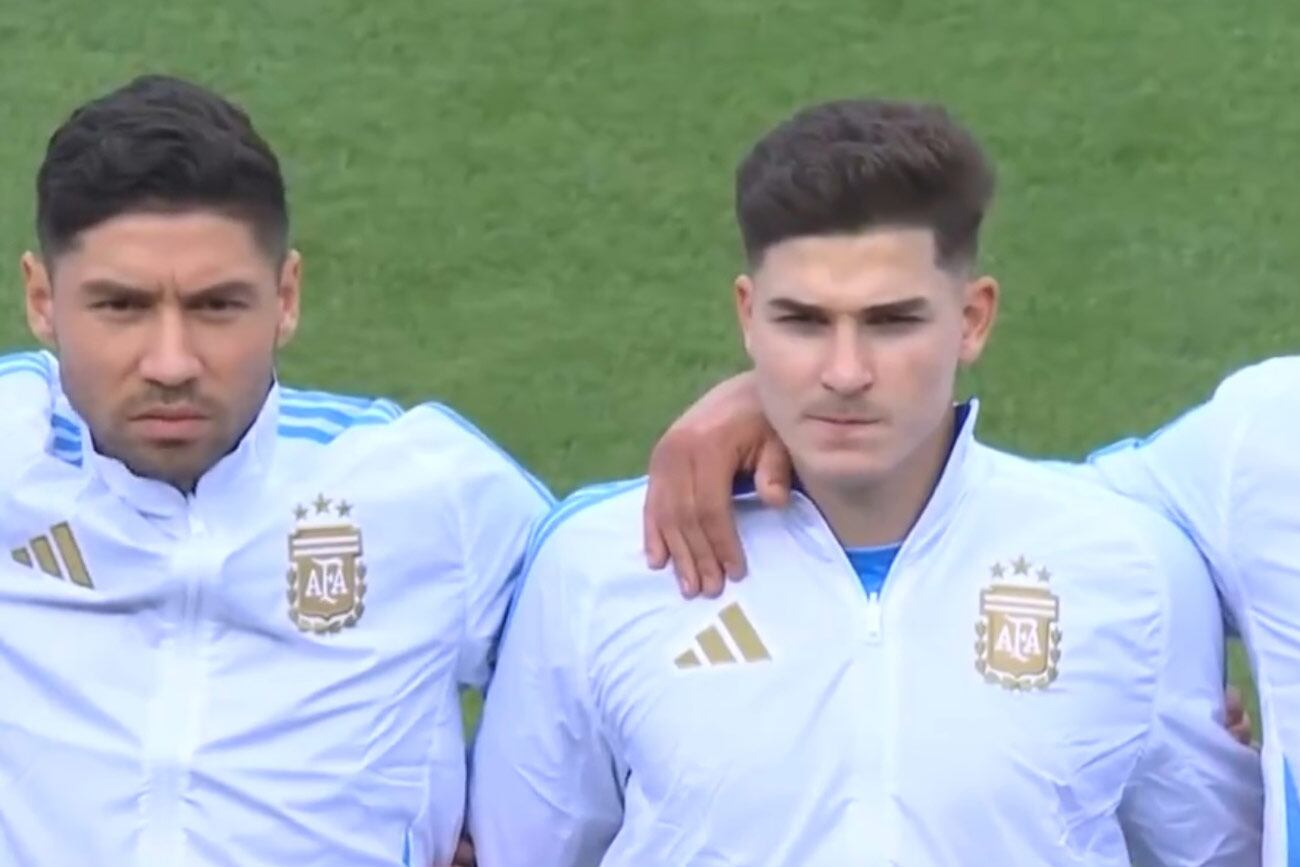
{"x": 786, "y": 366}
{"x": 94, "y": 383}
{"x": 238, "y": 365}
{"x": 89, "y": 355}
{"x": 236, "y": 350}
{"x": 925, "y": 369}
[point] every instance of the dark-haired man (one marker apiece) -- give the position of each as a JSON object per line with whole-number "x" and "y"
{"x": 943, "y": 654}
{"x": 234, "y": 616}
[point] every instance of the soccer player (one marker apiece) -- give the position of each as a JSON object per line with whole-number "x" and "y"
{"x": 943, "y": 654}
{"x": 235, "y": 616}
{"x": 1225, "y": 472}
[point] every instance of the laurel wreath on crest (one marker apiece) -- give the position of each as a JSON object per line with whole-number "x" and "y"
{"x": 321, "y": 625}
{"x": 1011, "y": 681}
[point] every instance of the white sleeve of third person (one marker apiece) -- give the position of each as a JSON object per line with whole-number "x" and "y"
{"x": 544, "y": 788}
{"x": 1184, "y": 469}
{"x": 1196, "y": 796}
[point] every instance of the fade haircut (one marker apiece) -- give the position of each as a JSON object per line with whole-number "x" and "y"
{"x": 851, "y": 165}
{"x": 158, "y": 144}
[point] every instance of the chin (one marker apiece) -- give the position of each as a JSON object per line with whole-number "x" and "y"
{"x": 845, "y": 469}
{"x": 173, "y": 463}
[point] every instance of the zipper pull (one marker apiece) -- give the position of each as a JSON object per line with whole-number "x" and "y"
{"x": 875, "y": 617}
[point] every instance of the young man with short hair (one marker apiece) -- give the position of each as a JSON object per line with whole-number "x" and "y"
{"x": 943, "y": 654}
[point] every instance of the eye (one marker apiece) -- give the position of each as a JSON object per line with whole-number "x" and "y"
{"x": 121, "y": 304}
{"x": 798, "y": 319}
{"x": 220, "y": 304}
{"x": 897, "y": 320}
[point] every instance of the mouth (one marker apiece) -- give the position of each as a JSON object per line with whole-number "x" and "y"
{"x": 177, "y": 424}
{"x": 845, "y": 421}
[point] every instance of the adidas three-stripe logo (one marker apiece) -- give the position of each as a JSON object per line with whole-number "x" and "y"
{"x": 731, "y": 638}
{"x": 62, "y": 559}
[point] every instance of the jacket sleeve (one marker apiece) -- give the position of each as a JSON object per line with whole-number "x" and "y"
{"x": 1184, "y": 470}
{"x": 28, "y": 385}
{"x": 544, "y": 788}
{"x": 493, "y": 503}
{"x": 1196, "y": 795}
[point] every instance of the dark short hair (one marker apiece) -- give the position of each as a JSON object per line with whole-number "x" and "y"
{"x": 158, "y": 144}
{"x": 847, "y": 166}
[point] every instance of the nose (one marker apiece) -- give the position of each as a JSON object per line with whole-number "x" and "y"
{"x": 170, "y": 360}
{"x": 847, "y": 371}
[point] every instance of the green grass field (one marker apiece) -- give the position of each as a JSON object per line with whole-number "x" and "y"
{"x": 523, "y": 208}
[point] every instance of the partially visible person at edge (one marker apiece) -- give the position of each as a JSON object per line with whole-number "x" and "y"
{"x": 943, "y": 655}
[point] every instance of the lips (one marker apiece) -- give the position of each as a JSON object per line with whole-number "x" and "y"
{"x": 171, "y": 424}
{"x": 170, "y": 415}
{"x": 846, "y": 421}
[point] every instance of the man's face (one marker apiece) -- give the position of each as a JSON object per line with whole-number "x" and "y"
{"x": 856, "y": 341}
{"x": 166, "y": 327}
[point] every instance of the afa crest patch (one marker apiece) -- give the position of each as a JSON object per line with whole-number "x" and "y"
{"x": 327, "y": 578}
{"x": 1017, "y": 639}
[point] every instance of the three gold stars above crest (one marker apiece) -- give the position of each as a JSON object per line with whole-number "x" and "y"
{"x": 1020, "y": 566}
{"x": 322, "y": 506}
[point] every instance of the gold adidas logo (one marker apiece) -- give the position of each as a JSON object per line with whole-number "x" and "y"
{"x": 719, "y": 646}
{"x": 66, "y": 563}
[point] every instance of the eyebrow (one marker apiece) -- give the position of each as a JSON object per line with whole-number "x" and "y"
{"x": 238, "y": 288}
{"x": 103, "y": 287}
{"x": 902, "y": 307}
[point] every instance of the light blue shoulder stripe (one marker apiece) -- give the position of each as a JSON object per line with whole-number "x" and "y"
{"x": 63, "y": 424}
{"x": 574, "y": 503}
{"x": 571, "y": 505}
{"x": 296, "y": 432}
{"x": 31, "y": 362}
{"x": 468, "y": 426}
{"x": 1135, "y": 442}
{"x": 388, "y": 407}
{"x": 321, "y": 416}
{"x": 24, "y": 365}
{"x": 342, "y": 412}
{"x": 338, "y": 417}
{"x": 327, "y": 398}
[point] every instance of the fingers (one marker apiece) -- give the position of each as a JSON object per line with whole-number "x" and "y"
{"x": 673, "y": 524}
{"x": 707, "y": 571}
{"x": 1236, "y": 718}
{"x": 718, "y": 523}
{"x": 656, "y": 548}
{"x": 667, "y": 496}
{"x": 464, "y": 856}
{"x": 1243, "y": 732}
{"x": 688, "y": 520}
{"x": 688, "y": 516}
{"x": 714, "y": 477}
{"x": 679, "y": 551}
{"x": 774, "y": 473}
{"x": 1234, "y": 709}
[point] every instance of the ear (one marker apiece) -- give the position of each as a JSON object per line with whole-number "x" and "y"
{"x": 289, "y": 297}
{"x": 744, "y": 291}
{"x": 39, "y": 296}
{"x": 979, "y": 310}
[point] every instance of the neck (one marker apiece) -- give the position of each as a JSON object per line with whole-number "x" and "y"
{"x": 884, "y": 511}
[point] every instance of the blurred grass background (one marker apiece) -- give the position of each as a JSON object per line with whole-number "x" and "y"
{"x": 523, "y": 208}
